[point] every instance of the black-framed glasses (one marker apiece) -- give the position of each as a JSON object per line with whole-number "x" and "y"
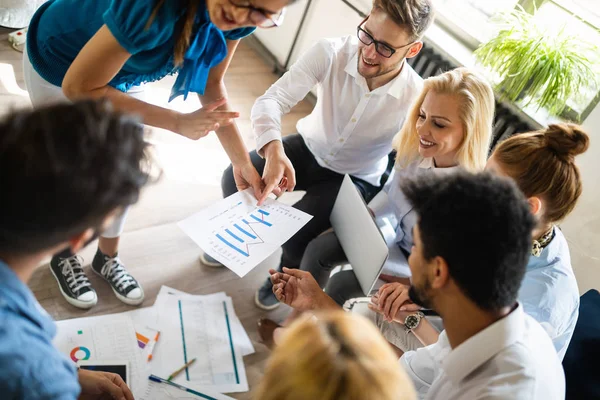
{"x": 381, "y": 48}
{"x": 258, "y": 16}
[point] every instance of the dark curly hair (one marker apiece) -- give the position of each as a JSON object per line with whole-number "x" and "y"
{"x": 480, "y": 224}
{"x": 63, "y": 169}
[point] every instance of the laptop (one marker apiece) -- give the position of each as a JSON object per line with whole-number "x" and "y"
{"x": 359, "y": 235}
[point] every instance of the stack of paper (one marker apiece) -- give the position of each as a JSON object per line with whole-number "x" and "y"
{"x": 202, "y": 327}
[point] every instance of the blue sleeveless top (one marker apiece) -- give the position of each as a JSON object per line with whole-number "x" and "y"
{"x": 61, "y": 28}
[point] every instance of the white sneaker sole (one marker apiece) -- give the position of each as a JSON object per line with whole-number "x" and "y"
{"x": 84, "y": 305}
{"x": 126, "y": 300}
{"x": 262, "y": 306}
{"x": 213, "y": 264}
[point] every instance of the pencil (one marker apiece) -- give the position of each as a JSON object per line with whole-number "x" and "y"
{"x": 174, "y": 374}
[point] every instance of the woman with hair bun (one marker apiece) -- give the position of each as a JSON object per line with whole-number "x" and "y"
{"x": 542, "y": 163}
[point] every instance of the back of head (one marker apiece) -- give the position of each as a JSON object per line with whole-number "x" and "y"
{"x": 63, "y": 169}
{"x": 477, "y": 104}
{"x": 414, "y": 15}
{"x": 543, "y": 165}
{"x": 336, "y": 356}
{"x": 480, "y": 224}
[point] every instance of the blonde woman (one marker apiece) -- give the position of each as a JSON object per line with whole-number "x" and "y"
{"x": 449, "y": 126}
{"x": 333, "y": 357}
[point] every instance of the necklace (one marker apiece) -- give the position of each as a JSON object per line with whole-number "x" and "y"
{"x": 539, "y": 244}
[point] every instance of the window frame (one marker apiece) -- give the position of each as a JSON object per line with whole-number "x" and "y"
{"x": 472, "y": 43}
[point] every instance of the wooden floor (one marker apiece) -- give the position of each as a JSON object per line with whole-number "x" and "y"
{"x": 154, "y": 249}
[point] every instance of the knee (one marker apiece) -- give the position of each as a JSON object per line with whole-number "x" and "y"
{"x": 311, "y": 254}
{"x": 343, "y": 286}
{"x": 227, "y": 182}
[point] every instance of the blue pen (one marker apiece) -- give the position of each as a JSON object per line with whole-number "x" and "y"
{"x": 155, "y": 378}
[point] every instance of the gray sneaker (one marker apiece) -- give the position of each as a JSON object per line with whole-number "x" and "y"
{"x": 265, "y": 298}
{"x": 209, "y": 261}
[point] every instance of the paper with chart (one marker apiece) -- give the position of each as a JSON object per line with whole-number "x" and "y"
{"x": 239, "y": 234}
{"x": 194, "y": 328}
{"x": 240, "y": 337}
{"x": 102, "y": 338}
{"x": 161, "y": 391}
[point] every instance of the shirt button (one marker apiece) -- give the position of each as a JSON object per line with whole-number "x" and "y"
{"x": 341, "y": 140}
{"x": 368, "y": 95}
{"x": 331, "y": 153}
{"x": 353, "y": 119}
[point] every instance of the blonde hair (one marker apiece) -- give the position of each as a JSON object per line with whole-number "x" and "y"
{"x": 477, "y": 104}
{"x": 337, "y": 356}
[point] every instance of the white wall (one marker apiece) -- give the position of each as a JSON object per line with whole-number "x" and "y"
{"x": 582, "y": 227}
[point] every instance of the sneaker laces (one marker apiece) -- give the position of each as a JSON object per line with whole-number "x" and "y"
{"x": 113, "y": 269}
{"x": 73, "y": 273}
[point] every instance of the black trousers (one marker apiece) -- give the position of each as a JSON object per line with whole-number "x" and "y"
{"x": 321, "y": 186}
{"x": 322, "y": 255}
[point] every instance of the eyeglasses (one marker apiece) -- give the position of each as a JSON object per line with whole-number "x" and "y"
{"x": 381, "y": 48}
{"x": 259, "y": 17}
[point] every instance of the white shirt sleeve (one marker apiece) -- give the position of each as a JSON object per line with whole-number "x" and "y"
{"x": 290, "y": 89}
{"x": 422, "y": 367}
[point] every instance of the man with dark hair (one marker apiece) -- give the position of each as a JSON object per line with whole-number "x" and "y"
{"x": 472, "y": 243}
{"x": 65, "y": 171}
{"x": 365, "y": 90}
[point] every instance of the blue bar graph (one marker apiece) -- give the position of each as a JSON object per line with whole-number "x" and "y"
{"x": 242, "y": 252}
{"x": 263, "y": 212}
{"x": 246, "y": 222}
{"x": 245, "y": 232}
{"x": 234, "y": 236}
{"x": 260, "y": 220}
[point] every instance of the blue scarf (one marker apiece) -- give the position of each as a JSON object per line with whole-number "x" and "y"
{"x": 207, "y": 50}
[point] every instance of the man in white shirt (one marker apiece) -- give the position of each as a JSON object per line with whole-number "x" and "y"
{"x": 365, "y": 89}
{"x": 472, "y": 243}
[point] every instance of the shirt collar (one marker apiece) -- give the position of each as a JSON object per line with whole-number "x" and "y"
{"x": 428, "y": 163}
{"x": 478, "y": 349}
{"x": 549, "y": 253}
{"x": 394, "y": 87}
{"x": 15, "y": 295}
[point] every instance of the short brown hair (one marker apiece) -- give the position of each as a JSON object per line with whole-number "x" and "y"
{"x": 543, "y": 164}
{"x": 415, "y": 15}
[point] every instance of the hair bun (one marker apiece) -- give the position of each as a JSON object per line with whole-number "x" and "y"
{"x": 566, "y": 140}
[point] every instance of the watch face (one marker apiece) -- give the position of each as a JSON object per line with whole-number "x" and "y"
{"x": 411, "y": 321}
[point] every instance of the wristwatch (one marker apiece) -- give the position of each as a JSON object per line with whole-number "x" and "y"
{"x": 412, "y": 321}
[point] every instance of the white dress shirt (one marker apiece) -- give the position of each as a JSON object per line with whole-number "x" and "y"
{"x": 395, "y": 215}
{"x": 511, "y": 359}
{"x": 351, "y": 128}
{"x": 549, "y": 292}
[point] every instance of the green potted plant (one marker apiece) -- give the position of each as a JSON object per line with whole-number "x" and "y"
{"x": 537, "y": 65}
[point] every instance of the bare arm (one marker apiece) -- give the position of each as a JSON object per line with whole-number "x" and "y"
{"x": 244, "y": 173}
{"x": 100, "y": 61}
{"x": 229, "y": 135}
{"x": 426, "y": 333}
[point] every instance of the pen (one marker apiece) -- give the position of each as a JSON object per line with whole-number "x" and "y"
{"x": 154, "y": 345}
{"x": 155, "y": 378}
{"x": 174, "y": 374}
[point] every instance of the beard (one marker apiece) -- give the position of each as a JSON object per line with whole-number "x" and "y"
{"x": 380, "y": 70}
{"x": 419, "y": 295}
